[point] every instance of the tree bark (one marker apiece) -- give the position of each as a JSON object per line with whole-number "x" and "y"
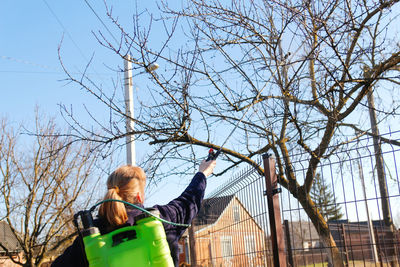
{"x": 379, "y": 164}
{"x": 322, "y": 228}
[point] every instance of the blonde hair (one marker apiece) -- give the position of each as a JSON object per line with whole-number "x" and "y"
{"x": 123, "y": 184}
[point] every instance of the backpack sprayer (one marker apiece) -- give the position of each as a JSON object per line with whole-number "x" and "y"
{"x": 142, "y": 244}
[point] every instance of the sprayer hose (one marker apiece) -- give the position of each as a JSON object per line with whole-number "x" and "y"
{"x": 139, "y": 208}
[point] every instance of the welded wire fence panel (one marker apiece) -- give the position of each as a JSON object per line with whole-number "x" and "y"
{"x": 348, "y": 196}
{"x": 232, "y": 226}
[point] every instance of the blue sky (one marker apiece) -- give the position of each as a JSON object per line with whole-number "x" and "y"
{"x": 31, "y": 73}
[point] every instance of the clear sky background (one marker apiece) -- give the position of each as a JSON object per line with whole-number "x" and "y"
{"x": 31, "y": 73}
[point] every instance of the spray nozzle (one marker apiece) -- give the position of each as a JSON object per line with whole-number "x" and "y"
{"x": 88, "y": 226}
{"x": 212, "y": 155}
{"x": 87, "y": 219}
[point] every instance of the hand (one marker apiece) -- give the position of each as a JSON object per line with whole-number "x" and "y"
{"x": 207, "y": 167}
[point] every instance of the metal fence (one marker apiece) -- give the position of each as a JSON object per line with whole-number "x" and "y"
{"x": 237, "y": 225}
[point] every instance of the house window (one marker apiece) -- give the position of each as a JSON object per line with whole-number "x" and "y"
{"x": 250, "y": 247}
{"x": 306, "y": 246}
{"x": 226, "y": 247}
{"x": 249, "y": 244}
{"x": 187, "y": 256}
{"x": 236, "y": 213}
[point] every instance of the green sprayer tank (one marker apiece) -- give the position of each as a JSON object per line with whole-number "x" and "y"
{"x": 143, "y": 244}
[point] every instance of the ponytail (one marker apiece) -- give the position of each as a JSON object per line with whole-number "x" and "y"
{"x": 113, "y": 211}
{"x": 123, "y": 184}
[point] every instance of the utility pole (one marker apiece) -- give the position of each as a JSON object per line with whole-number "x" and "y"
{"x": 380, "y": 166}
{"x": 378, "y": 154}
{"x": 130, "y": 124}
{"x": 370, "y": 226}
{"x": 130, "y": 138}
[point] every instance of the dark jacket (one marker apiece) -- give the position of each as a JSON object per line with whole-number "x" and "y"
{"x": 180, "y": 210}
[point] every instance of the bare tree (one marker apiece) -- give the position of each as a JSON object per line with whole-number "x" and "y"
{"x": 289, "y": 74}
{"x": 42, "y": 179}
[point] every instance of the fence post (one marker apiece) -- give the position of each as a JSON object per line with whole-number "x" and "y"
{"x": 288, "y": 243}
{"x": 378, "y": 244}
{"x": 192, "y": 246}
{"x": 277, "y": 238}
{"x": 345, "y": 250}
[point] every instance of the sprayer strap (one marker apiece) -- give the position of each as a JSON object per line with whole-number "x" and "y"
{"x": 139, "y": 208}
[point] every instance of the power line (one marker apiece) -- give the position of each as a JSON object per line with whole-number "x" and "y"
{"x": 98, "y": 17}
{"x": 30, "y": 72}
{"x": 69, "y": 35}
{"x": 65, "y": 30}
{"x": 49, "y": 72}
{"x": 52, "y": 70}
{"x": 26, "y": 62}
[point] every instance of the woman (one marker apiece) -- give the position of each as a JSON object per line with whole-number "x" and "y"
{"x": 128, "y": 183}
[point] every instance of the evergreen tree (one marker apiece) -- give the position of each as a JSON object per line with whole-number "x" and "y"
{"x": 324, "y": 199}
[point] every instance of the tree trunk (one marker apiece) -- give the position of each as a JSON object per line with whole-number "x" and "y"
{"x": 381, "y": 178}
{"x": 29, "y": 262}
{"x": 334, "y": 255}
